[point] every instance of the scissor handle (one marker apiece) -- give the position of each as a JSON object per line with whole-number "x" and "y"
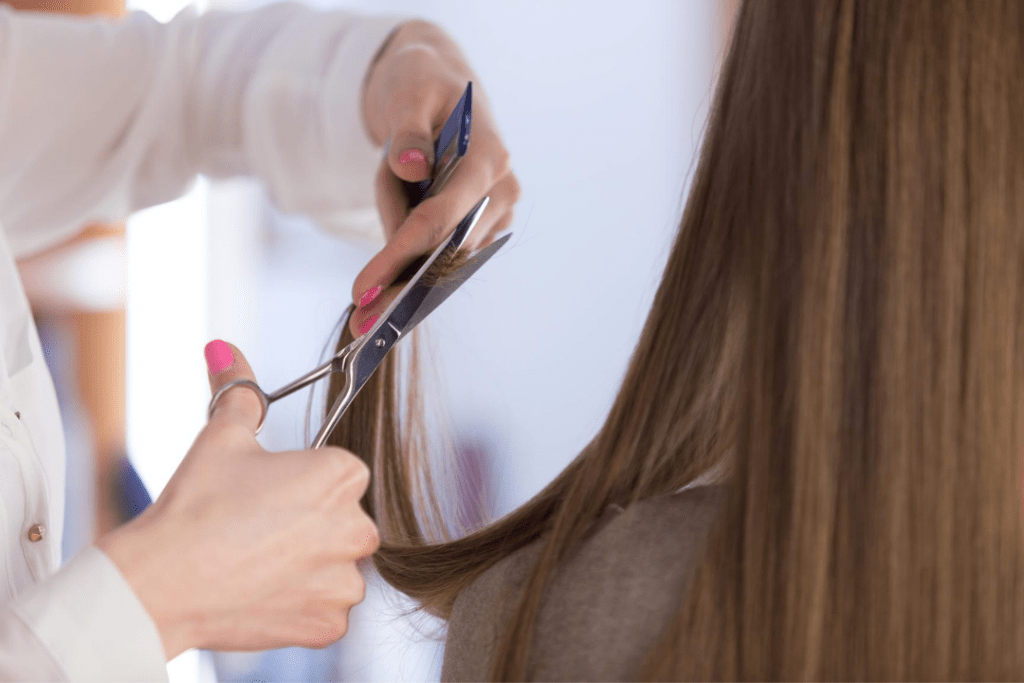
{"x": 343, "y": 364}
{"x": 290, "y": 388}
{"x": 248, "y": 384}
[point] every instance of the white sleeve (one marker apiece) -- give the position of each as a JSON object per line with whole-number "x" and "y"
{"x": 84, "y": 623}
{"x": 101, "y": 117}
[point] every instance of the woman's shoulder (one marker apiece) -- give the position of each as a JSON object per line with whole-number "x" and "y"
{"x": 612, "y": 595}
{"x": 684, "y": 515}
{"x": 665, "y": 528}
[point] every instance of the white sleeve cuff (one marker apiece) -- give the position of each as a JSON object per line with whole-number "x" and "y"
{"x": 92, "y": 623}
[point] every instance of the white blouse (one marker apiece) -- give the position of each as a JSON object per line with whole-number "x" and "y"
{"x": 99, "y": 118}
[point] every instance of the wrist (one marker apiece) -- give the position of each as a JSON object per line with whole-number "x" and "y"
{"x": 134, "y": 548}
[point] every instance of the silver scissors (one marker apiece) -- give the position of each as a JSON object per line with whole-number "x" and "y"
{"x": 358, "y": 360}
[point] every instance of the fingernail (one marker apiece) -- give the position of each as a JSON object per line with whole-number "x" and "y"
{"x": 218, "y": 356}
{"x": 369, "y": 295}
{"x": 365, "y": 327}
{"x": 411, "y": 155}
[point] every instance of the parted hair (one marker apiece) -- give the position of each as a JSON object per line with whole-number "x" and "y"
{"x": 839, "y": 333}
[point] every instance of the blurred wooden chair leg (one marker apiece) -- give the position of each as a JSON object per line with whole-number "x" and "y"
{"x": 99, "y": 346}
{"x": 83, "y": 282}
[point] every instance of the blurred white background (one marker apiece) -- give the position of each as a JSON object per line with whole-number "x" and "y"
{"x": 602, "y": 105}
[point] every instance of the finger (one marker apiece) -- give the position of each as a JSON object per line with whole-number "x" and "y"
{"x": 423, "y": 229}
{"x": 418, "y": 234}
{"x": 498, "y": 216}
{"x": 352, "y": 535}
{"x": 409, "y": 112}
{"x": 428, "y": 224}
{"x": 377, "y": 299}
{"x": 496, "y": 230}
{"x": 238, "y": 405}
{"x": 411, "y": 144}
{"x": 364, "y": 317}
{"x": 391, "y": 200}
{"x": 411, "y": 156}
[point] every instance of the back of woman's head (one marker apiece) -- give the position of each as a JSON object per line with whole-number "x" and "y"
{"x": 839, "y": 333}
{"x": 860, "y": 198}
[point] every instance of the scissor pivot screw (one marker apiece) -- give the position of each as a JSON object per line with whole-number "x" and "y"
{"x": 380, "y": 342}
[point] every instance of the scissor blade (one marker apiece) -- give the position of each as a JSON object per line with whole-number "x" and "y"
{"x": 445, "y": 286}
{"x": 370, "y": 356}
{"x": 389, "y": 329}
{"x": 403, "y": 309}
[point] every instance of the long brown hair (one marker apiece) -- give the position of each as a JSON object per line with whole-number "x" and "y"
{"x": 839, "y": 330}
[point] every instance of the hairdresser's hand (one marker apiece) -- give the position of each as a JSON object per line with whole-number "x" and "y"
{"x": 247, "y": 549}
{"x": 409, "y": 93}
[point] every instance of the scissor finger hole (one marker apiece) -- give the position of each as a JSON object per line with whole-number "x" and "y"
{"x": 248, "y": 384}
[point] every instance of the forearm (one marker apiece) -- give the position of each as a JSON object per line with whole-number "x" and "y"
{"x": 143, "y": 107}
{"x": 293, "y": 119}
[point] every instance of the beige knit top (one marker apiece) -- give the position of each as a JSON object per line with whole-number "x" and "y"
{"x": 604, "y": 607}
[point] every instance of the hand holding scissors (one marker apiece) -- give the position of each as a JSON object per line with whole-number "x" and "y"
{"x": 420, "y": 74}
{"x": 358, "y": 360}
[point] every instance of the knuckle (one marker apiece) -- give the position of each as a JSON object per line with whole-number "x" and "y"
{"x": 240, "y": 399}
{"x": 515, "y": 189}
{"x": 502, "y": 161}
{"x": 501, "y": 226}
{"x": 327, "y": 630}
{"x": 347, "y": 467}
{"x": 432, "y": 227}
{"x": 423, "y": 221}
{"x": 361, "y": 476}
{"x": 437, "y": 233}
{"x": 416, "y": 220}
{"x": 362, "y": 538}
{"x": 358, "y": 471}
{"x": 355, "y": 588}
{"x": 339, "y": 625}
{"x": 372, "y": 538}
{"x": 357, "y": 538}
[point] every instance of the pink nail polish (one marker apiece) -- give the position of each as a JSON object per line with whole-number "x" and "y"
{"x": 218, "y": 356}
{"x": 411, "y": 155}
{"x": 365, "y": 327}
{"x": 369, "y": 295}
